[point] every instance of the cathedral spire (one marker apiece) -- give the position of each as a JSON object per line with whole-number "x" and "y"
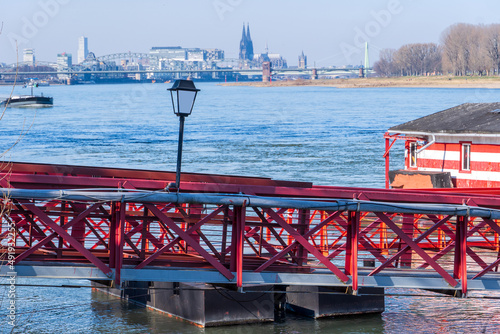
{"x": 246, "y": 45}
{"x": 243, "y": 35}
{"x": 249, "y": 43}
{"x": 248, "y": 31}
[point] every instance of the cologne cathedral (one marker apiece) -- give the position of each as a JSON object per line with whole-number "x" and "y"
{"x": 246, "y": 45}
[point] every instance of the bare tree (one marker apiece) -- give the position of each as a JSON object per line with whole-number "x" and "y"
{"x": 418, "y": 59}
{"x": 385, "y": 65}
{"x": 451, "y": 40}
{"x": 433, "y": 58}
{"x": 402, "y": 60}
{"x": 491, "y": 42}
{"x": 464, "y": 50}
{"x": 478, "y": 62}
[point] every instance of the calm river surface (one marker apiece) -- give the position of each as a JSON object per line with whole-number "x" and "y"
{"x": 325, "y": 135}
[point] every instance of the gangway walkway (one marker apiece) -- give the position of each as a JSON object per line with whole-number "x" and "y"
{"x": 124, "y": 225}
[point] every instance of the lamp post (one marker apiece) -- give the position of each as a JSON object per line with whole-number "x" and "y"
{"x": 183, "y": 93}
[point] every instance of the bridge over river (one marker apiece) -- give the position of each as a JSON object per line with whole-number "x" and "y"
{"x": 226, "y": 67}
{"x": 120, "y": 225}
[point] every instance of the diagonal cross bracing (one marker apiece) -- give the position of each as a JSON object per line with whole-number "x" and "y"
{"x": 62, "y": 232}
{"x": 417, "y": 249}
{"x": 186, "y": 237}
{"x": 143, "y": 230}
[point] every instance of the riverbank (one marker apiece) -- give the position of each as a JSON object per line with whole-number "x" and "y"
{"x": 421, "y": 82}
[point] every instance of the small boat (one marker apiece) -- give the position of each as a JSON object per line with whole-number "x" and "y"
{"x": 28, "y": 101}
{"x": 43, "y": 83}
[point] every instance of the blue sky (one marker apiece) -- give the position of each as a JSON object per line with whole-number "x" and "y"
{"x": 329, "y": 32}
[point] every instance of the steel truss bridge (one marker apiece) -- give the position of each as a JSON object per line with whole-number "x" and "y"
{"x": 124, "y": 225}
{"x": 125, "y": 55}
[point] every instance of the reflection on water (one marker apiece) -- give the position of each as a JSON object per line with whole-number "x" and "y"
{"x": 436, "y": 314}
{"x": 84, "y": 310}
{"x": 325, "y": 135}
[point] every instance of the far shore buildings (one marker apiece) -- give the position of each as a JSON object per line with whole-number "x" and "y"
{"x": 167, "y": 58}
{"x": 248, "y": 58}
{"x": 457, "y": 147}
{"x": 176, "y": 57}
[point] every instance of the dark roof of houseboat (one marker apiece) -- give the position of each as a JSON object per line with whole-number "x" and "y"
{"x": 481, "y": 118}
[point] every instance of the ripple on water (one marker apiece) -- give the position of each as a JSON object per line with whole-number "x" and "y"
{"x": 323, "y": 135}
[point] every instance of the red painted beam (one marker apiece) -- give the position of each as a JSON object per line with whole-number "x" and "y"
{"x": 44, "y": 176}
{"x": 460, "y": 264}
{"x": 351, "y": 257}
{"x": 390, "y": 195}
{"x": 124, "y": 173}
{"x": 239, "y": 219}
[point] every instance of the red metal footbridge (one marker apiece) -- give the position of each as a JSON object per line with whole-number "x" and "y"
{"x": 121, "y": 225}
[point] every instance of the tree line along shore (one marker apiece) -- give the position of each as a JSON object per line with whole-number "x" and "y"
{"x": 464, "y": 49}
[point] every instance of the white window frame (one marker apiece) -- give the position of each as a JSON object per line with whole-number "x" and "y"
{"x": 412, "y": 155}
{"x": 465, "y": 157}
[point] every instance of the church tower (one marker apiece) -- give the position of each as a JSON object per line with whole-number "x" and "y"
{"x": 246, "y": 44}
{"x": 302, "y": 60}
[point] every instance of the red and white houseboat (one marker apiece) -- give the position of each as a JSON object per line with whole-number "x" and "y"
{"x": 457, "y": 147}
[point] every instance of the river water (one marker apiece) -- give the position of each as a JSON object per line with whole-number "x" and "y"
{"x": 325, "y": 135}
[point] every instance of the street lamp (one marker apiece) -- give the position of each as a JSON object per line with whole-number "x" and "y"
{"x": 183, "y": 94}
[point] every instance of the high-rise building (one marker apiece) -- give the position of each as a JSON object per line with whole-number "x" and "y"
{"x": 246, "y": 44}
{"x": 64, "y": 63}
{"x": 29, "y": 57}
{"x": 215, "y": 54}
{"x": 83, "y": 49}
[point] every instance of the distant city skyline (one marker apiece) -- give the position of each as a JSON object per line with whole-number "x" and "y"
{"x": 329, "y": 33}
